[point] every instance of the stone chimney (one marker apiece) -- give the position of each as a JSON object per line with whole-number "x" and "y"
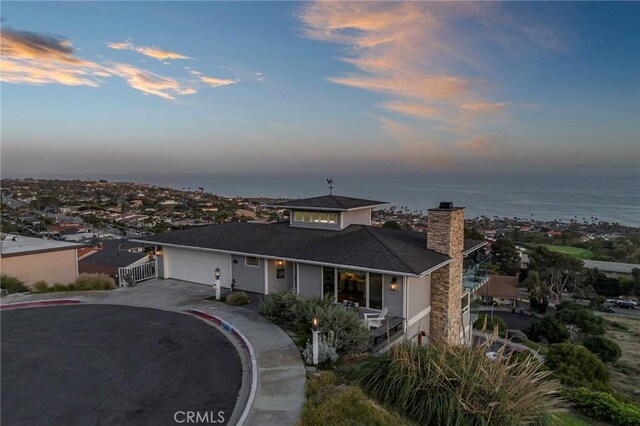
{"x": 445, "y": 235}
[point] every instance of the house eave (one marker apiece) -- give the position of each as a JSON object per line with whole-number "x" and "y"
{"x": 472, "y": 249}
{"x": 310, "y": 262}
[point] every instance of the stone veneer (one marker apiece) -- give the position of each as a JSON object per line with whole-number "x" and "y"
{"x": 446, "y": 236}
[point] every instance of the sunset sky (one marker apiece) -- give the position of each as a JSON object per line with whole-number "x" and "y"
{"x": 287, "y": 87}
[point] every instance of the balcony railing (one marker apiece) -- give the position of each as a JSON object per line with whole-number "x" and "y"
{"x": 476, "y": 275}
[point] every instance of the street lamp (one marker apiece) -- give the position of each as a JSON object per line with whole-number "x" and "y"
{"x": 216, "y": 283}
{"x": 315, "y": 330}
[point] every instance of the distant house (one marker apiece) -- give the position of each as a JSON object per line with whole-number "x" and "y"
{"x": 501, "y": 289}
{"x": 328, "y": 248}
{"x": 110, "y": 255}
{"x": 612, "y": 269}
{"x": 34, "y": 259}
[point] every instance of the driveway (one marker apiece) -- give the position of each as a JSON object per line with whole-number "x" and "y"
{"x": 106, "y": 364}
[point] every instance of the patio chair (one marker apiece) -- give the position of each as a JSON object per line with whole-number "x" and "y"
{"x": 374, "y": 320}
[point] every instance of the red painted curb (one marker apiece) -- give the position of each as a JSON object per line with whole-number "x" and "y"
{"x": 56, "y": 302}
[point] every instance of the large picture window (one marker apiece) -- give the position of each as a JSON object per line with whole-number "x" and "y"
{"x": 315, "y": 217}
{"x": 375, "y": 291}
{"x": 352, "y": 286}
{"x": 328, "y": 282}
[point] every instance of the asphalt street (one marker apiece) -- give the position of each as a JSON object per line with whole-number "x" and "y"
{"x": 107, "y": 364}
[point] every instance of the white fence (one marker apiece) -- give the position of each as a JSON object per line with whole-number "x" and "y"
{"x": 135, "y": 274}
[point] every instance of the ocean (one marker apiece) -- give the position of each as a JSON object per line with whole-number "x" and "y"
{"x": 613, "y": 197}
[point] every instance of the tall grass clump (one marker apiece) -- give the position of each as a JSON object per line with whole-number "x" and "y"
{"x": 237, "y": 298}
{"x": 457, "y": 385}
{"x": 94, "y": 282}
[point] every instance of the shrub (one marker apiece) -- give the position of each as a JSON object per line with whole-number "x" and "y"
{"x": 574, "y": 365}
{"x": 12, "y": 284}
{"x": 484, "y": 322}
{"x": 582, "y": 316}
{"x": 94, "y": 282}
{"x": 60, "y": 287}
{"x": 605, "y": 349}
{"x": 329, "y": 403}
{"x": 352, "y": 335}
{"x": 604, "y": 406}
{"x": 237, "y": 298}
{"x": 455, "y": 385}
{"x": 281, "y": 308}
{"x": 549, "y": 328}
{"x": 40, "y": 287}
{"x": 326, "y": 349}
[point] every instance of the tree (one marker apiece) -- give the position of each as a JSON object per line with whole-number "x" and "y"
{"x": 392, "y": 224}
{"x": 605, "y": 349}
{"x": 559, "y": 271}
{"x": 582, "y": 316}
{"x": 505, "y": 256}
{"x": 548, "y": 327}
{"x": 574, "y": 365}
{"x": 473, "y": 234}
{"x": 538, "y": 292}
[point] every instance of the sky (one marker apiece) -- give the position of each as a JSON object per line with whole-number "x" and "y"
{"x": 318, "y": 87}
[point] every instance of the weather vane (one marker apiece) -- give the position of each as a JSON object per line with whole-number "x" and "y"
{"x": 330, "y": 183}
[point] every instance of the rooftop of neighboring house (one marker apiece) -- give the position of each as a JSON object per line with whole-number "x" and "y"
{"x": 361, "y": 246}
{"x": 15, "y": 245}
{"x": 617, "y": 267}
{"x": 114, "y": 253}
{"x": 330, "y": 202}
{"x": 502, "y": 286}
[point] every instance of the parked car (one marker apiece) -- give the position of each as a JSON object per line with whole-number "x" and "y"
{"x": 625, "y": 304}
{"x": 608, "y": 310}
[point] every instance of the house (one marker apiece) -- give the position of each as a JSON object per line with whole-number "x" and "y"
{"x": 612, "y": 269}
{"x": 328, "y": 248}
{"x": 109, "y": 255}
{"x": 501, "y": 289}
{"x": 35, "y": 259}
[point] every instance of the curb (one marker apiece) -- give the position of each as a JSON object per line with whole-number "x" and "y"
{"x": 244, "y": 342}
{"x": 52, "y": 302}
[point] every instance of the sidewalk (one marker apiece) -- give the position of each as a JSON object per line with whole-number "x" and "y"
{"x": 281, "y": 374}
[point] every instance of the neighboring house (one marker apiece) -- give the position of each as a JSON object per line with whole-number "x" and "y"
{"x": 501, "y": 289}
{"x": 109, "y": 255}
{"x": 524, "y": 261}
{"x": 34, "y": 259}
{"x": 329, "y": 249}
{"x": 612, "y": 269}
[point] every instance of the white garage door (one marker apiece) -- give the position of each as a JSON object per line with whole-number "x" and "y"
{"x": 196, "y": 266}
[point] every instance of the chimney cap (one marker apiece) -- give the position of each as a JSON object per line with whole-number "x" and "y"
{"x": 446, "y": 206}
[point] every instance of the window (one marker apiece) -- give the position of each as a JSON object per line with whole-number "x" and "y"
{"x": 328, "y": 282}
{"x": 315, "y": 217}
{"x": 280, "y": 273}
{"x": 352, "y": 286}
{"x": 252, "y": 261}
{"x": 375, "y": 291}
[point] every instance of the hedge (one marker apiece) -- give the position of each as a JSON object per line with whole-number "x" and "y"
{"x": 604, "y": 406}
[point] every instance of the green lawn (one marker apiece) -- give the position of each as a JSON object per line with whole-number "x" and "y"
{"x": 576, "y": 252}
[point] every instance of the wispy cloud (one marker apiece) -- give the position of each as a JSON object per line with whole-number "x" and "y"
{"x": 152, "y": 52}
{"x": 479, "y": 145}
{"x": 37, "y": 59}
{"x": 150, "y": 83}
{"x": 216, "y": 82}
{"x": 412, "y": 54}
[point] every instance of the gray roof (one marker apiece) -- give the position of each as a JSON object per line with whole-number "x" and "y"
{"x": 330, "y": 202}
{"x": 618, "y": 267}
{"x": 357, "y": 245}
{"x": 114, "y": 253}
{"x": 14, "y": 245}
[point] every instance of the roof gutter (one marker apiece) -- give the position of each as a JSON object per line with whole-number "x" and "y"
{"x": 309, "y": 262}
{"x": 472, "y": 249}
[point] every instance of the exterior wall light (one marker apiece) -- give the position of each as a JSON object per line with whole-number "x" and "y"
{"x": 393, "y": 286}
{"x": 159, "y": 251}
{"x": 279, "y": 263}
